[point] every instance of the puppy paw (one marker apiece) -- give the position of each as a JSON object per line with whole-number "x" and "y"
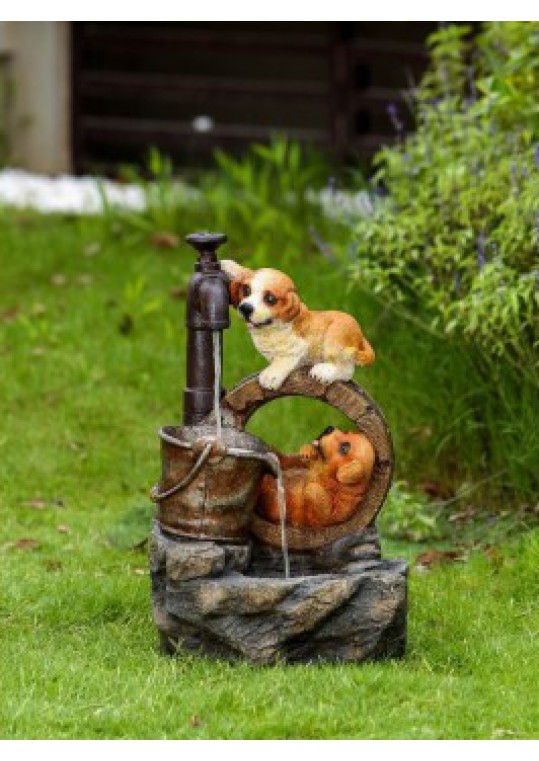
{"x": 327, "y": 372}
{"x": 307, "y": 452}
{"x": 271, "y": 379}
{"x": 234, "y": 270}
{"x": 229, "y": 267}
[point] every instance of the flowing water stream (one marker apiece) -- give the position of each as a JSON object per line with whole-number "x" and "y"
{"x": 271, "y": 458}
{"x": 216, "y": 337}
{"x": 282, "y": 517}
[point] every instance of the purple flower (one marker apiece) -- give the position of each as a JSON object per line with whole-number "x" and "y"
{"x": 536, "y": 156}
{"x": 393, "y": 113}
{"x": 377, "y": 188}
{"x": 456, "y": 282}
{"x": 435, "y": 103}
{"x": 471, "y": 81}
{"x": 514, "y": 179}
{"x": 481, "y": 251}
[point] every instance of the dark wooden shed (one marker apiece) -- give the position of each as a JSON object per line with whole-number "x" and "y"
{"x": 188, "y": 88}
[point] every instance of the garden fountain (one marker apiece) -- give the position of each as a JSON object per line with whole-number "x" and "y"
{"x": 228, "y": 582}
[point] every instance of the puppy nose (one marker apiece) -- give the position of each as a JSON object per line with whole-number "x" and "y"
{"x": 246, "y": 310}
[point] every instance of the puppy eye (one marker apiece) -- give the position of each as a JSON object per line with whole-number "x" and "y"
{"x": 344, "y": 448}
{"x": 270, "y": 299}
{"x": 246, "y": 290}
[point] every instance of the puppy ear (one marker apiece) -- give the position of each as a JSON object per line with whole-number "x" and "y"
{"x": 291, "y": 306}
{"x": 234, "y": 288}
{"x": 326, "y": 432}
{"x": 351, "y": 473}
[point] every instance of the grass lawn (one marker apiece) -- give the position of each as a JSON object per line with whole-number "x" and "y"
{"x": 92, "y": 355}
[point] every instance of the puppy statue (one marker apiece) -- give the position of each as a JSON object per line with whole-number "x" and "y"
{"x": 288, "y": 334}
{"x": 325, "y": 484}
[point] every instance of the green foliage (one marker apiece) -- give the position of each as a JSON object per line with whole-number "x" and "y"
{"x": 132, "y": 528}
{"x": 409, "y": 517}
{"x": 268, "y": 196}
{"x": 456, "y": 243}
{"x": 266, "y": 200}
{"x": 166, "y": 199}
{"x": 461, "y": 522}
{"x": 135, "y": 303}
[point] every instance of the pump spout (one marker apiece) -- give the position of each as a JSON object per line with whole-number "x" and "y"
{"x": 207, "y": 312}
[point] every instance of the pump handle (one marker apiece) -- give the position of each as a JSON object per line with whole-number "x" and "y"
{"x": 206, "y": 242}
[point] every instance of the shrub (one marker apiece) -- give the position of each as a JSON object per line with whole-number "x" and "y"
{"x": 453, "y": 246}
{"x": 409, "y": 517}
{"x": 457, "y": 239}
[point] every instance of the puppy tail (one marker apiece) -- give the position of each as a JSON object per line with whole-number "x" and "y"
{"x": 364, "y": 354}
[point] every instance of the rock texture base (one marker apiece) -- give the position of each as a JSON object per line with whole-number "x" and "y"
{"x": 231, "y": 601}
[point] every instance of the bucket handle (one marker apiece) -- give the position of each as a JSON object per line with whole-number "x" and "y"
{"x": 157, "y": 496}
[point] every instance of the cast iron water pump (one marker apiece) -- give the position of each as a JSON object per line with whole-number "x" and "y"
{"x": 207, "y": 313}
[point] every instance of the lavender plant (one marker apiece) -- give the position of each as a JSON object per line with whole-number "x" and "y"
{"x": 457, "y": 240}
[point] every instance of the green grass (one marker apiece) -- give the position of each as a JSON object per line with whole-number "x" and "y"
{"x": 80, "y": 403}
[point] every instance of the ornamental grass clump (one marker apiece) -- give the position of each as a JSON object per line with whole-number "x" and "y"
{"x": 456, "y": 241}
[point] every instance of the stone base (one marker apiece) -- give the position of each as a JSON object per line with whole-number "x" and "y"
{"x": 232, "y": 601}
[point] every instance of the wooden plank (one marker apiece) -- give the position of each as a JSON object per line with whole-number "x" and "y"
{"x": 144, "y": 37}
{"x": 209, "y": 47}
{"x": 340, "y": 92}
{"x": 377, "y": 95}
{"x": 114, "y": 84}
{"x": 361, "y": 47}
{"x": 366, "y": 145}
{"x": 146, "y": 130}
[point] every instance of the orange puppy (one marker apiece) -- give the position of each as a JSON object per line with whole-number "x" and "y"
{"x": 288, "y": 334}
{"x": 325, "y": 485}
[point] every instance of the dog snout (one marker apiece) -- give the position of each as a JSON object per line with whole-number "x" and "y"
{"x": 245, "y": 309}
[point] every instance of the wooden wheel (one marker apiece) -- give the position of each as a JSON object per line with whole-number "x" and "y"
{"x": 248, "y": 396}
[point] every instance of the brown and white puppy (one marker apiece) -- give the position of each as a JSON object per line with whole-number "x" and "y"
{"x": 325, "y": 485}
{"x": 288, "y": 334}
